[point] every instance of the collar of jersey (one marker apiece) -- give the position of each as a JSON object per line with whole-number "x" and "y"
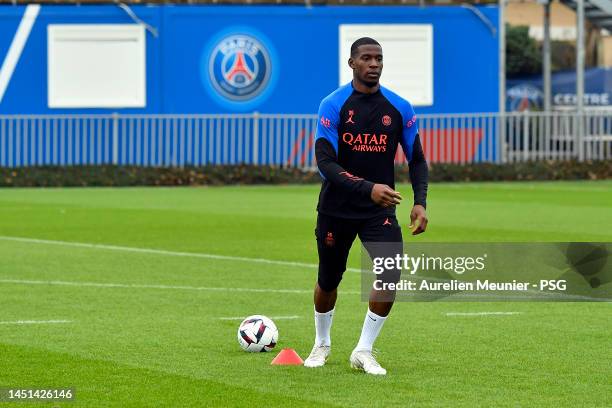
{"x": 363, "y": 93}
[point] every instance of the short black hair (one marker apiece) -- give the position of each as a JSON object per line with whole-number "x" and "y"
{"x": 362, "y": 41}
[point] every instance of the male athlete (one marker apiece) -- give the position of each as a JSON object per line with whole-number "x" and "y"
{"x": 360, "y": 126}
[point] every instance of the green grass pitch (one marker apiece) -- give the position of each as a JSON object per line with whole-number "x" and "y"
{"x": 144, "y": 328}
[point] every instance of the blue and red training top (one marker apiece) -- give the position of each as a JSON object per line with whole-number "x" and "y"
{"x": 356, "y": 142}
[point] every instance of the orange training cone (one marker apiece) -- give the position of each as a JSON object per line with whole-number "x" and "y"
{"x": 287, "y": 356}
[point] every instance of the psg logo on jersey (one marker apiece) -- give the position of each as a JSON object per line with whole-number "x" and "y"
{"x": 239, "y": 67}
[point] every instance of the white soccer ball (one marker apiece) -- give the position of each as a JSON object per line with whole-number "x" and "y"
{"x": 257, "y": 333}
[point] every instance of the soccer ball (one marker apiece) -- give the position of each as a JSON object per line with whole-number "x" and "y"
{"x": 257, "y": 333}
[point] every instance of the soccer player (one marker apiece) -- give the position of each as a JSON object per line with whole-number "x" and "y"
{"x": 360, "y": 127}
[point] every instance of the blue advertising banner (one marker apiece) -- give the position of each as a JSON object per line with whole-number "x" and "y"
{"x": 269, "y": 59}
{"x": 527, "y": 92}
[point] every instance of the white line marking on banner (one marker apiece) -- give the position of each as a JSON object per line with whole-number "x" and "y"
{"x": 19, "y": 40}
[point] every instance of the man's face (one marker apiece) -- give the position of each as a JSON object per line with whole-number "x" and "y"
{"x": 367, "y": 64}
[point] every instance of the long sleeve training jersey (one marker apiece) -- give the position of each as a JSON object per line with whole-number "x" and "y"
{"x": 356, "y": 142}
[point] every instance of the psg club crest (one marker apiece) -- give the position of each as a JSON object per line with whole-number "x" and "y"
{"x": 239, "y": 67}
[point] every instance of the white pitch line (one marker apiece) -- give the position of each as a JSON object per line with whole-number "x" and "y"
{"x": 151, "y": 286}
{"x": 273, "y": 318}
{"x": 165, "y": 252}
{"x": 482, "y": 313}
{"x": 37, "y": 322}
{"x": 147, "y": 286}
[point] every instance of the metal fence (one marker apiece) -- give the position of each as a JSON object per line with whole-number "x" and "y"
{"x": 181, "y": 140}
{"x": 558, "y": 136}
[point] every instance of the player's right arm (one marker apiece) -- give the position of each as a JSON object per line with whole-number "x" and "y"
{"x": 326, "y": 153}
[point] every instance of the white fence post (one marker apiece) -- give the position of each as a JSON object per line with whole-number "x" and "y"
{"x": 255, "y": 138}
{"x": 115, "y": 138}
{"x": 580, "y": 135}
{"x": 526, "y": 136}
{"x": 502, "y": 147}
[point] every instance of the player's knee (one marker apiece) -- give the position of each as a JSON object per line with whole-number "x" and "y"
{"x": 390, "y": 276}
{"x": 329, "y": 281}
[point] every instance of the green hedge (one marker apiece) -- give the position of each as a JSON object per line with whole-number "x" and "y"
{"x": 50, "y": 176}
{"x": 537, "y": 170}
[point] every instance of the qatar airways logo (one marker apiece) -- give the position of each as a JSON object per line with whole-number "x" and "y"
{"x": 366, "y": 142}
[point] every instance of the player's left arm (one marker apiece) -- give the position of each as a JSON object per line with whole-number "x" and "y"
{"x": 419, "y": 176}
{"x": 419, "y": 172}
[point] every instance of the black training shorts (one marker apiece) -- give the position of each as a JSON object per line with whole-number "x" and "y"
{"x": 335, "y": 237}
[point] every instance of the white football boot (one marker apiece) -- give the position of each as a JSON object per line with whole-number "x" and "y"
{"x": 318, "y": 356}
{"x": 364, "y": 360}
